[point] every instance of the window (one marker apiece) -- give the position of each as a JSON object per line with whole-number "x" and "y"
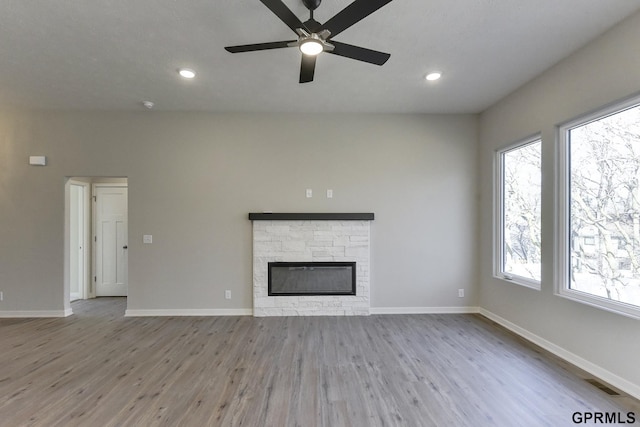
{"x": 599, "y": 209}
{"x": 517, "y": 219}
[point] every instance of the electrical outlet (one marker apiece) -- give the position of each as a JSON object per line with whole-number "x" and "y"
{"x": 227, "y": 294}
{"x": 329, "y": 193}
{"x": 309, "y": 193}
{"x": 461, "y": 293}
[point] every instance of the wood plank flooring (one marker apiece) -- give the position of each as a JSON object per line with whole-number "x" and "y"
{"x": 97, "y": 368}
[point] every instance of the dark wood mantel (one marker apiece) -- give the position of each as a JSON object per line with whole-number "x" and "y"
{"x": 329, "y": 216}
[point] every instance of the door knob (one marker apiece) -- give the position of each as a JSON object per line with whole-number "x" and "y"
{"x": 125, "y": 247}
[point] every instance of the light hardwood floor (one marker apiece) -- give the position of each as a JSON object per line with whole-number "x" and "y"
{"x": 97, "y": 368}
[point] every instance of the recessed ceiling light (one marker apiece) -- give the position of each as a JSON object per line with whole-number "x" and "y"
{"x": 148, "y": 104}
{"x": 187, "y": 73}
{"x": 433, "y": 76}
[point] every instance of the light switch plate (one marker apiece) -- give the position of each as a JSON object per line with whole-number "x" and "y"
{"x": 329, "y": 194}
{"x": 147, "y": 238}
{"x": 309, "y": 193}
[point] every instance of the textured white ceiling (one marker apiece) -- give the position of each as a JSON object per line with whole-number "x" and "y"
{"x": 113, "y": 54}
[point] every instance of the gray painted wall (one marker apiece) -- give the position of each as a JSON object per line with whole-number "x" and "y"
{"x": 194, "y": 177}
{"x": 602, "y": 72}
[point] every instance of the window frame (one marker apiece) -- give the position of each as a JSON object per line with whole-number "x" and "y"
{"x": 498, "y": 213}
{"x": 562, "y": 228}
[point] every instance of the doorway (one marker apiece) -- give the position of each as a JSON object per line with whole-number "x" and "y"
{"x": 96, "y": 238}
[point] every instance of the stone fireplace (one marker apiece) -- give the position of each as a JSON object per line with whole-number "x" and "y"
{"x": 299, "y": 240}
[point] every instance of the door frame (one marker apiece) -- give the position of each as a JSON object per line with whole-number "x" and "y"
{"x": 89, "y": 182}
{"x": 94, "y": 232}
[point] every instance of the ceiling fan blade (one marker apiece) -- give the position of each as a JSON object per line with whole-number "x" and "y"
{"x": 284, "y": 13}
{"x": 307, "y": 68}
{"x": 351, "y": 14}
{"x": 359, "y": 53}
{"x": 258, "y": 46}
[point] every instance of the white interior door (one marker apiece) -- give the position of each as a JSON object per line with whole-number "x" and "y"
{"x": 76, "y": 242}
{"x": 111, "y": 239}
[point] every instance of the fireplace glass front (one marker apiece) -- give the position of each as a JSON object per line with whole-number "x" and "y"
{"x": 312, "y": 278}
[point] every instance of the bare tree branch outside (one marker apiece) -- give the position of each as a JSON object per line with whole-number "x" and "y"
{"x": 521, "y": 205}
{"x": 605, "y": 207}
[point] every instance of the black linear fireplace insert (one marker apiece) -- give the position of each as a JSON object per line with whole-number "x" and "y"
{"x": 312, "y": 278}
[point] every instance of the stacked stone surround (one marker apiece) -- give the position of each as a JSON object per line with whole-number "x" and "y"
{"x": 310, "y": 241}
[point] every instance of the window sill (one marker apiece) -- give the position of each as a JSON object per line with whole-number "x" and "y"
{"x": 519, "y": 280}
{"x": 611, "y": 306}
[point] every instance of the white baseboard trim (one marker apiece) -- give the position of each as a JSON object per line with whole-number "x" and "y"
{"x": 423, "y": 310}
{"x": 249, "y": 312}
{"x": 189, "y": 312}
{"x": 597, "y": 371}
{"x": 7, "y": 314}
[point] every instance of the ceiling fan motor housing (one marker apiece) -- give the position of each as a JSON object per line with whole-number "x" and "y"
{"x": 311, "y": 4}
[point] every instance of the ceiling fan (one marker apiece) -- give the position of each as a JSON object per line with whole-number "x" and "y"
{"x": 314, "y": 37}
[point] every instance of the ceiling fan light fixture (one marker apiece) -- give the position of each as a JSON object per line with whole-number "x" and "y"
{"x": 311, "y": 46}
